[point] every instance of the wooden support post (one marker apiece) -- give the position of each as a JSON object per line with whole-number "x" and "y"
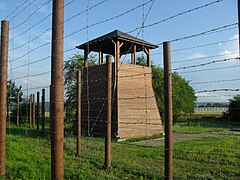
{"x": 38, "y": 109}
{"x": 57, "y": 91}
{"x": 30, "y": 111}
{"x": 100, "y": 57}
{"x": 33, "y": 110}
{"x": 18, "y": 108}
{"x": 86, "y": 58}
{"x": 117, "y": 65}
{"x": 78, "y": 113}
{"x": 3, "y": 93}
{"x": 148, "y": 53}
{"x": 43, "y": 109}
{"x": 133, "y": 58}
{"x": 117, "y": 56}
{"x": 109, "y": 113}
{"x": 168, "y": 111}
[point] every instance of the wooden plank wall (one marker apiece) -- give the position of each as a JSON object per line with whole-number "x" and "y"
{"x": 138, "y": 113}
{"x": 94, "y": 102}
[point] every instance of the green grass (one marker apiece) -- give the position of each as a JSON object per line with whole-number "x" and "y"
{"x": 203, "y": 125}
{"x": 145, "y": 138}
{"x": 28, "y": 156}
{"x": 211, "y": 158}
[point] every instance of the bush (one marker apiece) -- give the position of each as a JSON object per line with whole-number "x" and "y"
{"x": 233, "y": 112}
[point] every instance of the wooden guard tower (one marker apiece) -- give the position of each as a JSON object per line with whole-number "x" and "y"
{"x": 134, "y": 108}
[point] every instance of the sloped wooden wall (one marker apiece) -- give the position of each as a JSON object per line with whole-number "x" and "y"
{"x": 134, "y": 113}
{"x": 138, "y": 113}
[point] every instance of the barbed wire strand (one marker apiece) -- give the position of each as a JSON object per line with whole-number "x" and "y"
{"x": 137, "y": 97}
{"x": 177, "y": 15}
{"x": 12, "y": 12}
{"x": 200, "y": 46}
{"x": 214, "y": 30}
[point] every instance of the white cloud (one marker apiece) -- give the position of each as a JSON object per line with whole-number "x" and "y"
{"x": 236, "y": 36}
{"x": 229, "y": 54}
{"x": 3, "y": 5}
{"x": 230, "y": 49}
{"x": 197, "y": 55}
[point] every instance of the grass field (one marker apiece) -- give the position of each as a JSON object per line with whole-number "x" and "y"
{"x": 28, "y": 155}
{"x": 203, "y": 125}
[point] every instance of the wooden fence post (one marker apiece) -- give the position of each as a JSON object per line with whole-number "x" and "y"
{"x": 38, "y": 109}
{"x": 78, "y": 113}
{"x": 30, "y": 111}
{"x": 57, "y": 90}
{"x": 168, "y": 111}
{"x": 43, "y": 109}
{"x": 18, "y": 108}
{"x": 33, "y": 110}
{"x": 109, "y": 113}
{"x": 3, "y": 93}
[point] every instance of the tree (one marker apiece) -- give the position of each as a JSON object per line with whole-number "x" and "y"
{"x": 183, "y": 97}
{"x": 12, "y": 90}
{"x": 183, "y": 94}
{"x": 141, "y": 60}
{"x": 233, "y": 112}
{"x": 71, "y": 66}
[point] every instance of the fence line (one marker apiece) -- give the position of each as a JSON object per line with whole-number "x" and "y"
{"x": 84, "y": 148}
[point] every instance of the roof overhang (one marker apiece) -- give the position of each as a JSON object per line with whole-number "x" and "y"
{"x": 106, "y": 42}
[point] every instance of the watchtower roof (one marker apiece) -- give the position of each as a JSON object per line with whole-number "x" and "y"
{"x": 105, "y": 43}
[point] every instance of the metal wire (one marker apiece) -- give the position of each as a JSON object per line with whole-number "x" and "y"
{"x": 94, "y": 80}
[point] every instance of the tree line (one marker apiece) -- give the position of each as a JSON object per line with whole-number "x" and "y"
{"x": 183, "y": 95}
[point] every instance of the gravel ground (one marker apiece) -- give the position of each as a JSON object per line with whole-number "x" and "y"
{"x": 179, "y": 137}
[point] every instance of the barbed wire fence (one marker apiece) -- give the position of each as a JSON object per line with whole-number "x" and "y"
{"x": 88, "y": 147}
{"x": 210, "y": 152}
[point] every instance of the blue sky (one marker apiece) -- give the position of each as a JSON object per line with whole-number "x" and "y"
{"x": 204, "y": 19}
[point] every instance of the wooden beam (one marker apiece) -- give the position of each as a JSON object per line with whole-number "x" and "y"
{"x": 120, "y": 45}
{"x": 134, "y": 55}
{"x": 117, "y": 55}
{"x": 148, "y": 53}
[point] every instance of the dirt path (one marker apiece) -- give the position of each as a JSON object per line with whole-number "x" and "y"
{"x": 179, "y": 137}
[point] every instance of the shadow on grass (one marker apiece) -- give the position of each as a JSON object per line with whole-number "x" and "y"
{"x": 27, "y": 132}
